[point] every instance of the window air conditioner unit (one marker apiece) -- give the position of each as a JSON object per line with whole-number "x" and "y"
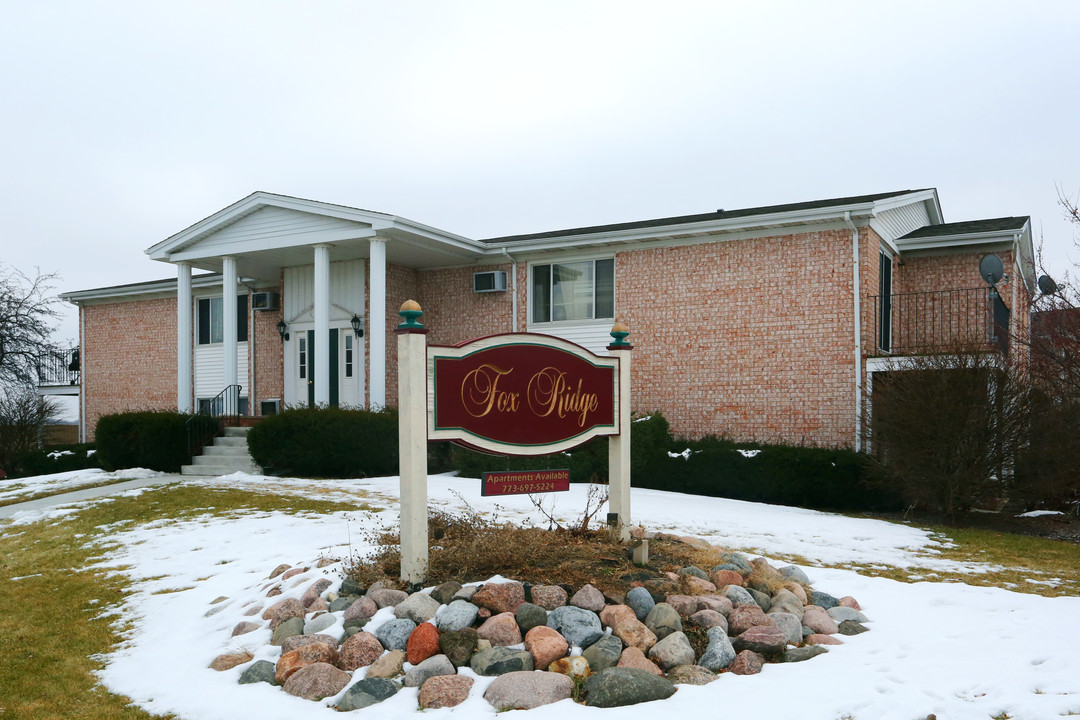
{"x": 265, "y": 301}
{"x": 269, "y": 407}
{"x": 489, "y": 281}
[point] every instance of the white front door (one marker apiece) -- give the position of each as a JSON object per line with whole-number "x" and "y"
{"x": 346, "y": 367}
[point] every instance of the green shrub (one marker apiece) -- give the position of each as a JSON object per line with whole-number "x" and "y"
{"x": 153, "y": 439}
{"x": 57, "y": 459}
{"x": 327, "y": 442}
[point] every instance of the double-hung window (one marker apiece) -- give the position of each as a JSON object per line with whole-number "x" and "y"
{"x": 583, "y": 290}
{"x": 212, "y": 320}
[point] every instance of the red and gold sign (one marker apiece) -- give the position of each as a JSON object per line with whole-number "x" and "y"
{"x": 525, "y": 482}
{"x": 521, "y": 394}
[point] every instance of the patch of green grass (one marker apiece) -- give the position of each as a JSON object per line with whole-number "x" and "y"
{"x": 56, "y": 628}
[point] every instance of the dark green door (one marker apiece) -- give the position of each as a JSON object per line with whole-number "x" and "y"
{"x": 333, "y": 368}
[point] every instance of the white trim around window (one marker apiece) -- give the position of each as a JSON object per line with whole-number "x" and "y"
{"x": 586, "y": 298}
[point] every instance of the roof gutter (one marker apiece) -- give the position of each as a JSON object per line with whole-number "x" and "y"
{"x": 857, "y": 326}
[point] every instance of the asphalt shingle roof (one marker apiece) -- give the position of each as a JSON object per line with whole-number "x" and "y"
{"x": 1004, "y": 224}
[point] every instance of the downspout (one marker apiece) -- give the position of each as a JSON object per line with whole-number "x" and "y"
{"x": 857, "y": 328}
{"x": 82, "y": 375}
{"x": 513, "y": 290}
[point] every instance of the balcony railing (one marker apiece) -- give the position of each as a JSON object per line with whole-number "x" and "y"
{"x": 58, "y": 367}
{"x": 940, "y": 321}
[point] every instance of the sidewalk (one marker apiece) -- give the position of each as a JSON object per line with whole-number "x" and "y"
{"x": 67, "y": 498}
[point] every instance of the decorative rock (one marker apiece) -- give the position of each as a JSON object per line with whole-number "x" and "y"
{"x": 815, "y": 618}
{"x": 613, "y": 615}
{"x": 445, "y": 691}
{"x": 367, "y": 692}
{"x": 790, "y": 625}
{"x": 432, "y": 667}
{"x": 301, "y": 657}
{"x": 640, "y": 601}
{"x": 500, "y": 660}
{"x": 387, "y": 666}
{"x": 803, "y": 653}
{"x": 359, "y": 651}
{"x": 786, "y": 602}
{"x": 259, "y": 671}
{"x": 458, "y": 645}
{"x": 764, "y": 639}
{"x": 851, "y": 627}
{"x": 545, "y": 645}
{"x": 576, "y": 668}
{"x": 394, "y": 635}
{"x": 719, "y": 603}
{"x": 697, "y": 585}
{"x": 253, "y": 610}
{"x": 792, "y": 572}
{"x": 350, "y": 587}
{"x": 633, "y": 658}
{"x": 500, "y": 597}
{"x": 317, "y": 681}
{"x": 848, "y": 601}
{"x": 527, "y": 690}
{"x": 663, "y": 620}
{"x": 418, "y": 607}
{"x": 672, "y": 651}
{"x": 293, "y": 626}
{"x": 739, "y": 561}
{"x": 365, "y": 607}
{"x": 722, "y": 578}
{"x": 500, "y": 629}
{"x": 283, "y": 611}
{"x": 276, "y": 590}
{"x": 708, "y": 618}
{"x": 355, "y": 624}
{"x": 797, "y": 590}
{"x": 691, "y": 675}
{"x": 841, "y": 613}
{"x": 243, "y": 628}
{"x": 745, "y": 617}
{"x": 685, "y": 605}
{"x": 229, "y": 660}
{"x": 580, "y": 627}
{"x": 457, "y": 615}
{"x": 319, "y": 606}
{"x": 423, "y": 643}
{"x": 693, "y": 571}
{"x": 819, "y": 639}
{"x": 747, "y": 662}
{"x": 604, "y": 653}
{"x": 387, "y": 597}
{"x": 739, "y": 596}
{"x": 465, "y": 593}
{"x": 341, "y": 603}
{"x": 635, "y": 633}
{"x": 823, "y": 599}
{"x": 529, "y": 616}
{"x": 588, "y": 598}
{"x": 618, "y": 687}
{"x": 320, "y": 623}
{"x": 293, "y": 572}
{"x": 719, "y": 653}
{"x": 444, "y": 593}
{"x": 314, "y": 591}
{"x": 278, "y": 570}
{"x": 298, "y": 641}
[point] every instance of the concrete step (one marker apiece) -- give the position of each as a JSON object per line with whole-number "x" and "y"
{"x": 215, "y": 470}
{"x": 231, "y": 431}
{"x": 228, "y": 454}
{"x": 226, "y": 451}
{"x": 230, "y": 441}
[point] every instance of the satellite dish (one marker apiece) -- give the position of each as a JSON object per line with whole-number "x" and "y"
{"x": 991, "y": 269}
{"x": 1047, "y": 285}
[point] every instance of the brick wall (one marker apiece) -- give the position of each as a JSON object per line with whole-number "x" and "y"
{"x": 129, "y": 359}
{"x": 455, "y": 313}
{"x": 268, "y": 348}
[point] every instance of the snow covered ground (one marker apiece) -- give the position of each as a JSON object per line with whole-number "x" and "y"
{"x": 20, "y": 489}
{"x": 946, "y": 648}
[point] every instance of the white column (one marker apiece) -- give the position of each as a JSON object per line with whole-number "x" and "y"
{"x": 322, "y": 324}
{"x": 183, "y": 337}
{"x": 412, "y": 444}
{"x": 377, "y": 322}
{"x": 619, "y": 446}
{"x": 228, "y": 318}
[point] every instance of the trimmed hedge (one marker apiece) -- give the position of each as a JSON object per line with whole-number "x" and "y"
{"x": 153, "y": 439}
{"x": 327, "y": 442}
{"x": 56, "y": 459}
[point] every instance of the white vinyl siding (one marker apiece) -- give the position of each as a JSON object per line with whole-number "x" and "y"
{"x": 899, "y": 221}
{"x": 209, "y": 363}
{"x": 270, "y": 223}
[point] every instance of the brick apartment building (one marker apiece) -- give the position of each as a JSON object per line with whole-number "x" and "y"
{"x": 757, "y": 324}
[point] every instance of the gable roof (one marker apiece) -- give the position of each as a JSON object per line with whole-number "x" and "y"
{"x": 970, "y": 227}
{"x": 707, "y": 217}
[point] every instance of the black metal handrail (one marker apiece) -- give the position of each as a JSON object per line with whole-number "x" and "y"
{"x": 943, "y": 320}
{"x": 58, "y": 367}
{"x": 205, "y": 424}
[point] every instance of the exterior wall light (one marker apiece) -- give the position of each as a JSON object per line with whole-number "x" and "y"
{"x": 283, "y": 330}
{"x": 357, "y": 325}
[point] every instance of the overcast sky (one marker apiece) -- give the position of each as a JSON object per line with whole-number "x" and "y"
{"x": 125, "y": 122}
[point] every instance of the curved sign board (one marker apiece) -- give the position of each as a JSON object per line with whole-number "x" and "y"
{"x": 521, "y": 394}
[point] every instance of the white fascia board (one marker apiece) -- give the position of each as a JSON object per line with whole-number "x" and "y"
{"x": 253, "y": 202}
{"x": 141, "y": 290}
{"x": 279, "y": 242}
{"x": 705, "y": 227}
{"x": 431, "y": 233}
{"x": 948, "y": 241}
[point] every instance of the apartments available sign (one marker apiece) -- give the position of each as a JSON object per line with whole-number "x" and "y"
{"x": 520, "y": 394}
